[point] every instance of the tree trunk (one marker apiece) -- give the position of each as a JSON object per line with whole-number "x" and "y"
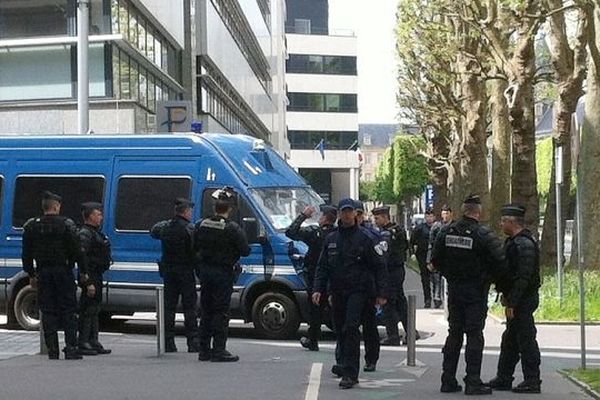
{"x": 589, "y": 173}
{"x": 501, "y": 136}
{"x": 522, "y": 120}
{"x": 439, "y": 172}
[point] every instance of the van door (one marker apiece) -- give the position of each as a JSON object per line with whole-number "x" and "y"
{"x": 143, "y": 191}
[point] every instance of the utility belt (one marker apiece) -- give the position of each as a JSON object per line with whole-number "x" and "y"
{"x": 47, "y": 265}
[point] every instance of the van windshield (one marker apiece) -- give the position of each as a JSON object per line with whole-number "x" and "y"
{"x": 282, "y": 205}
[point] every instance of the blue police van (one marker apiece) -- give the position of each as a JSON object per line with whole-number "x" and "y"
{"x": 137, "y": 177}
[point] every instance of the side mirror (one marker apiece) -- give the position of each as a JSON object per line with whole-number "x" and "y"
{"x": 251, "y": 229}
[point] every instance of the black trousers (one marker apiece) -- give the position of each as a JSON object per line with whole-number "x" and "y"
{"x": 370, "y": 332}
{"x": 467, "y": 311}
{"x": 431, "y": 281}
{"x": 181, "y": 282}
{"x": 315, "y": 318}
{"x": 370, "y": 336}
{"x": 396, "y": 309}
{"x": 519, "y": 342}
{"x": 215, "y": 299}
{"x": 348, "y": 310}
{"x": 58, "y": 303}
{"x": 89, "y": 308}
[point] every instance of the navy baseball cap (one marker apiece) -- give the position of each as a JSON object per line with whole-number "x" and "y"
{"x": 346, "y": 203}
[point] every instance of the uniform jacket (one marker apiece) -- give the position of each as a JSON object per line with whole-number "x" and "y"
{"x": 522, "y": 255}
{"x": 176, "y": 236}
{"x": 220, "y": 242}
{"x": 352, "y": 260}
{"x": 95, "y": 251}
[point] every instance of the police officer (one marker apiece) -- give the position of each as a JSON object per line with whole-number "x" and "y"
{"x": 419, "y": 245}
{"x": 177, "y": 270}
{"x": 351, "y": 257}
{"x": 396, "y": 308}
{"x": 521, "y": 298}
{"x": 468, "y": 254}
{"x": 95, "y": 260}
{"x": 313, "y": 236}
{"x": 51, "y": 241}
{"x": 219, "y": 243}
{"x": 436, "y": 278}
{"x": 369, "y": 318}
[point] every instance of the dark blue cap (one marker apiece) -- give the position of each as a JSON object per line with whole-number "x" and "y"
{"x": 381, "y": 210}
{"x": 346, "y": 203}
{"x": 327, "y": 209}
{"x": 513, "y": 210}
{"x": 359, "y": 205}
{"x": 472, "y": 199}
{"x": 48, "y": 195}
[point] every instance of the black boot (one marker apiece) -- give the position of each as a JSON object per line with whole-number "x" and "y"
{"x": 309, "y": 344}
{"x": 528, "y": 386}
{"x": 52, "y": 346}
{"x": 224, "y": 356}
{"x": 477, "y": 389}
{"x": 204, "y": 354}
{"x": 99, "y": 348}
{"x": 170, "y": 346}
{"x": 86, "y": 349}
{"x": 391, "y": 341}
{"x": 71, "y": 353}
{"x": 370, "y": 367}
{"x": 499, "y": 383}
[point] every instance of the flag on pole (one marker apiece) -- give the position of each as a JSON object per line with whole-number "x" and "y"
{"x": 321, "y": 148}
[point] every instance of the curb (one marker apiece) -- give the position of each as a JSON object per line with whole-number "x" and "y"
{"x": 582, "y": 385}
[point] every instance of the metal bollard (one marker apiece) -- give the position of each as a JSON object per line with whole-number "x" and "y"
{"x": 43, "y": 347}
{"x": 160, "y": 321}
{"x": 411, "y": 335}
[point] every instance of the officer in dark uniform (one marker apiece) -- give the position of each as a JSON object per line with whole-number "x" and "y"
{"x": 436, "y": 278}
{"x": 396, "y": 308}
{"x": 51, "y": 241}
{"x": 419, "y": 245}
{"x": 351, "y": 257}
{"x": 313, "y": 236}
{"x": 177, "y": 270}
{"x": 469, "y": 255}
{"x": 219, "y": 243}
{"x": 369, "y": 318}
{"x": 95, "y": 260}
{"x": 521, "y": 298}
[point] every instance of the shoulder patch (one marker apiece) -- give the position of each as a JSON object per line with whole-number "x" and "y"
{"x": 459, "y": 242}
{"x": 332, "y": 245}
{"x": 379, "y": 248}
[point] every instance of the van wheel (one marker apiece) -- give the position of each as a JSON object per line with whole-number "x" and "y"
{"x": 275, "y": 316}
{"x": 26, "y": 309}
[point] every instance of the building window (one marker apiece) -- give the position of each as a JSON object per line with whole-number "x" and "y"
{"x": 367, "y": 140}
{"x": 320, "y": 64}
{"x": 333, "y": 140}
{"x": 318, "y": 102}
{"x": 150, "y": 198}
{"x": 302, "y": 26}
{"x": 73, "y": 189}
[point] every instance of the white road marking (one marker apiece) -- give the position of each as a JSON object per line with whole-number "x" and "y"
{"x": 314, "y": 381}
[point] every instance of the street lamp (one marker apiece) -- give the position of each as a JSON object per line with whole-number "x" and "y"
{"x": 83, "y": 115}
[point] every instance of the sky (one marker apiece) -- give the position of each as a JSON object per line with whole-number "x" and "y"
{"x": 373, "y": 23}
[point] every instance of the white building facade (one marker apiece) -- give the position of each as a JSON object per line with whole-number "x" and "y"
{"x": 322, "y": 113}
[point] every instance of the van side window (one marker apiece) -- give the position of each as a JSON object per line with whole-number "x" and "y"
{"x": 74, "y": 190}
{"x": 142, "y": 202}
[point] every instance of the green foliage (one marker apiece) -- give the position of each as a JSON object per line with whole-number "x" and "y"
{"x": 543, "y": 160}
{"x": 551, "y": 309}
{"x": 367, "y": 191}
{"x": 589, "y": 376}
{"x": 403, "y": 170}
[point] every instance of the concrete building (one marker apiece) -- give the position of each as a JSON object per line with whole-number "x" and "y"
{"x": 226, "y": 57}
{"x": 322, "y": 91}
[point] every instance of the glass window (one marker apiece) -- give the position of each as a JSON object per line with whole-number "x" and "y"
{"x": 142, "y": 36}
{"x": 141, "y": 202}
{"x": 150, "y": 45}
{"x": 23, "y": 76}
{"x": 151, "y": 94}
{"x": 134, "y": 79}
{"x": 124, "y": 76}
{"x": 114, "y": 15}
{"x": 133, "y": 30}
{"x": 123, "y": 19}
{"x": 143, "y": 87}
{"x": 73, "y": 189}
{"x": 116, "y": 72}
{"x": 97, "y": 25}
{"x": 332, "y": 102}
{"x": 23, "y": 19}
{"x": 283, "y": 205}
{"x": 158, "y": 52}
{"x": 315, "y": 64}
